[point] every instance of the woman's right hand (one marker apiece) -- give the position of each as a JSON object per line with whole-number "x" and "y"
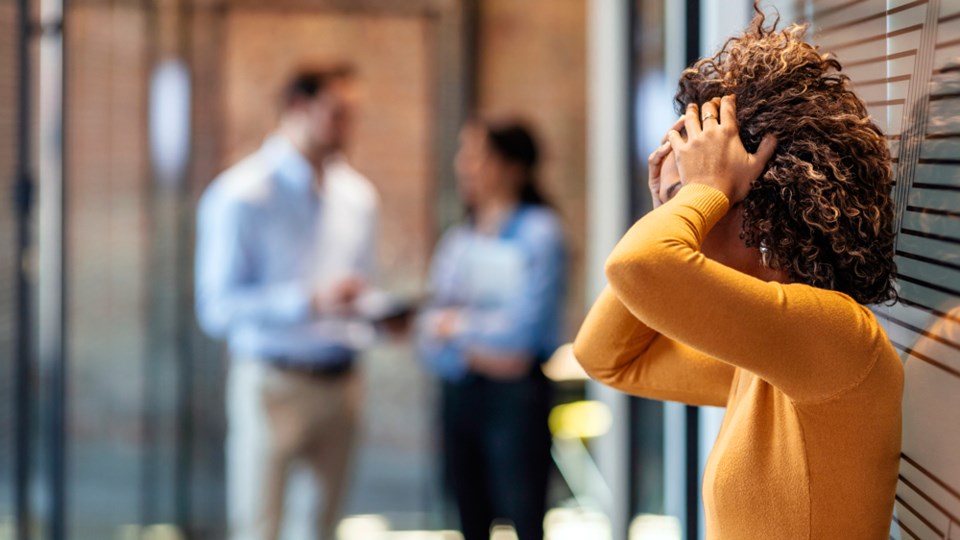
{"x": 712, "y": 152}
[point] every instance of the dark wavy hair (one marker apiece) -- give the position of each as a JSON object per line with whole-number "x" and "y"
{"x": 823, "y": 204}
{"x": 513, "y": 141}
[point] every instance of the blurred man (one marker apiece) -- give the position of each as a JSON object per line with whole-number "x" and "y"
{"x": 285, "y": 249}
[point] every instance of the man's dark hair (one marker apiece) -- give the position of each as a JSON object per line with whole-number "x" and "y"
{"x": 308, "y": 82}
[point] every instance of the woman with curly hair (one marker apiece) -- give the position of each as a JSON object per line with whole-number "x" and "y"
{"x": 746, "y": 288}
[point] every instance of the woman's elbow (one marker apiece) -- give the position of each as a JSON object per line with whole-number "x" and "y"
{"x": 594, "y": 360}
{"x": 638, "y": 269}
{"x": 621, "y": 271}
{"x": 614, "y": 269}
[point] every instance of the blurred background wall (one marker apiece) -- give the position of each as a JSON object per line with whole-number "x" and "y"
{"x": 135, "y": 438}
{"x": 143, "y": 410}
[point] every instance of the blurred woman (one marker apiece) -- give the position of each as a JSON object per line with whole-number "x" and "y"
{"x": 746, "y": 289}
{"x": 497, "y": 283}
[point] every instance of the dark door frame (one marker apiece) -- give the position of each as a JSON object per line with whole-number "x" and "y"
{"x": 23, "y": 201}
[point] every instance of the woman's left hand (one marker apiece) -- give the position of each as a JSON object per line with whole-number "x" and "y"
{"x": 446, "y": 323}
{"x": 713, "y": 153}
{"x": 655, "y": 167}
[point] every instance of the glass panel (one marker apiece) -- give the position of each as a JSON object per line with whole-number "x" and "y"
{"x": 912, "y": 92}
{"x": 653, "y": 107}
{"x": 106, "y": 267}
{"x": 8, "y": 230}
{"x": 145, "y": 391}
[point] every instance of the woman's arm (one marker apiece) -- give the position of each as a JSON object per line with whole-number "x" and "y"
{"x": 812, "y": 344}
{"x": 620, "y": 351}
{"x": 434, "y": 326}
{"x": 808, "y": 342}
{"x": 617, "y": 349}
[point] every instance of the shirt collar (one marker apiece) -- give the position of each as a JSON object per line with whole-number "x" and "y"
{"x": 507, "y": 227}
{"x": 290, "y": 165}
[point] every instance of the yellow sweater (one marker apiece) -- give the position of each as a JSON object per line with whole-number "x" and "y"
{"x": 810, "y": 443}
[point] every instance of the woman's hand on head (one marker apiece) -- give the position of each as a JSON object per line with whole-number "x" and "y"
{"x": 655, "y": 166}
{"x": 713, "y": 153}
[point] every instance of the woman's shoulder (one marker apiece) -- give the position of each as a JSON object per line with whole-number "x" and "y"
{"x": 454, "y": 234}
{"x": 839, "y": 312}
{"x": 540, "y": 223}
{"x": 853, "y": 340}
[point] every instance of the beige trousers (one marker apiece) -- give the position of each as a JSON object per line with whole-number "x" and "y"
{"x": 288, "y": 435}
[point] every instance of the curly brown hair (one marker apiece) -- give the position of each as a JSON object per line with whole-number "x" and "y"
{"x": 823, "y": 205}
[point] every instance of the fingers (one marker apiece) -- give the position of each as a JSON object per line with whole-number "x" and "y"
{"x": 678, "y": 125}
{"x": 710, "y": 114}
{"x": 765, "y": 151}
{"x": 692, "y": 120}
{"x": 657, "y": 156}
{"x": 728, "y": 112}
{"x": 675, "y": 139}
{"x": 655, "y": 162}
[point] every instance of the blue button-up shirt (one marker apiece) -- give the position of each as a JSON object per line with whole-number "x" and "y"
{"x": 269, "y": 237}
{"x": 509, "y": 290}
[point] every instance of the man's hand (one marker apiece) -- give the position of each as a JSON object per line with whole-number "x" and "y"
{"x": 713, "y": 153}
{"x": 340, "y": 298}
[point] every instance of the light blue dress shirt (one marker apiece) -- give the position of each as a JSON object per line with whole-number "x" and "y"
{"x": 268, "y": 238}
{"x": 509, "y": 290}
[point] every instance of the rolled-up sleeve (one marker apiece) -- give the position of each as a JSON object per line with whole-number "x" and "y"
{"x": 226, "y": 295}
{"x": 442, "y": 356}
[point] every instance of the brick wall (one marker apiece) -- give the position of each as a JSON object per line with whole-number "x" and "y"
{"x": 532, "y": 62}
{"x": 392, "y": 143}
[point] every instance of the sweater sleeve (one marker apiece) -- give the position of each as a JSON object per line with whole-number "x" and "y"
{"x": 810, "y": 343}
{"x": 620, "y": 351}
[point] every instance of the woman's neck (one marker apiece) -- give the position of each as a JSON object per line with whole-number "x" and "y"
{"x": 766, "y": 273}
{"x": 490, "y": 215}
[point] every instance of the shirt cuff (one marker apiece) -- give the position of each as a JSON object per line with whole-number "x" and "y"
{"x": 709, "y": 202}
{"x": 293, "y": 303}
